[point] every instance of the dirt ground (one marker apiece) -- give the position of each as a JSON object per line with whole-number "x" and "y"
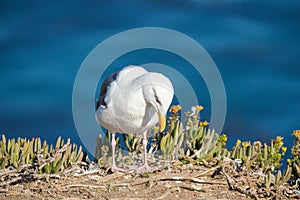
{"x": 100, "y": 184}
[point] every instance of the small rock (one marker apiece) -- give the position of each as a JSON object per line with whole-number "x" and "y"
{"x": 27, "y": 193}
{"x": 20, "y": 187}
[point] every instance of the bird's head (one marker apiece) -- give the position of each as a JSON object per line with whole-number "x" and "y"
{"x": 159, "y": 94}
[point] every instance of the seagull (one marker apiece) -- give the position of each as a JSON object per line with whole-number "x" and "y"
{"x": 132, "y": 101}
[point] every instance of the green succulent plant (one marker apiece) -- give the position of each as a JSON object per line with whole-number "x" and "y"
{"x": 295, "y": 161}
{"x": 132, "y": 142}
{"x": 258, "y": 156}
{"x": 277, "y": 180}
{"x": 20, "y": 152}
{"x": 103, "y": 149}
{"x": 171, "y": 143}
{"x": 193, "y": 143}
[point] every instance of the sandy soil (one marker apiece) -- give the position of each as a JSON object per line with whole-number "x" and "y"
{"x": 99, "y": 184}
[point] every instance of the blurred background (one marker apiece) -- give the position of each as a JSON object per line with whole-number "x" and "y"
{"x": 255, "y": 45}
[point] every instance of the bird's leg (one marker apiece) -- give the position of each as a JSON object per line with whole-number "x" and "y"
{"x": 145, "y": 167}
{"x": 113, "y": 145}
{"x": 114, "y": 167}
{"x": 145, "y": 141}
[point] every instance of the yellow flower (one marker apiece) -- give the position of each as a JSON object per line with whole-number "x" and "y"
{"x": 257, "y": 144}
{"x": 238, "y": 142}
{"x": 278, "y": 138}
{"x": 187, "y": 113}
{"x": 223, "y": 138}
{"x": 205, "y": 123}
{"x": 174, "y": 109}
{"x": 155, "y": 128}
{"x": 199, "y": 108}
{"x": 245, "y": 144}
{"x": 283, "y": 149}
{"x": 296, "y": 133}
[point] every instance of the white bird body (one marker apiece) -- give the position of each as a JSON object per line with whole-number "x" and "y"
{"x": 127, "y": 110}
{"x": 132, "y": 101}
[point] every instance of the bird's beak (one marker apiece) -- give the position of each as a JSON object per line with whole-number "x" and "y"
{"x": 162, "y": 121}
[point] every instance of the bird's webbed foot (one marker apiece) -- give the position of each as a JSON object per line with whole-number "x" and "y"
{"x": 117, "y": 169}
{"x": 146, "y": 168}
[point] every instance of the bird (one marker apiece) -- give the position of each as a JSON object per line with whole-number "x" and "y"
{"x": 132, "y": 101}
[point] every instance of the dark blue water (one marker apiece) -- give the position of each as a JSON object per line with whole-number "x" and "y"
{"x": 254, "y": 44}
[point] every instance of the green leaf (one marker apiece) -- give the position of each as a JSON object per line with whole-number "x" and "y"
{"x": 58, "y": 143}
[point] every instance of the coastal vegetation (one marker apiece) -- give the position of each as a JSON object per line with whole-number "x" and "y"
{"x": 254, "y": 169}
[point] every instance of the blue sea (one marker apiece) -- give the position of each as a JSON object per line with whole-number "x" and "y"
{"x": 255, "y": 45}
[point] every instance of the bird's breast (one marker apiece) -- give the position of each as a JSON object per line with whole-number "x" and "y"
{"x": 106, "y": 119}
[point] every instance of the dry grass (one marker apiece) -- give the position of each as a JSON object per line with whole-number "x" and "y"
{"x": 177, "y": 182}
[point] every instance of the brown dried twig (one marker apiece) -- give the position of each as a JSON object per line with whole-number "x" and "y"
{"x": 235, "y": 186}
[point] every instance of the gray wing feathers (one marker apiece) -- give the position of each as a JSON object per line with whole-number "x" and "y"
{"x": 104, "y": 88}
{"x": 123, "y": 77}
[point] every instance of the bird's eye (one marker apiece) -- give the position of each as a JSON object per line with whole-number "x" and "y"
{"x": 157, "y": 100}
